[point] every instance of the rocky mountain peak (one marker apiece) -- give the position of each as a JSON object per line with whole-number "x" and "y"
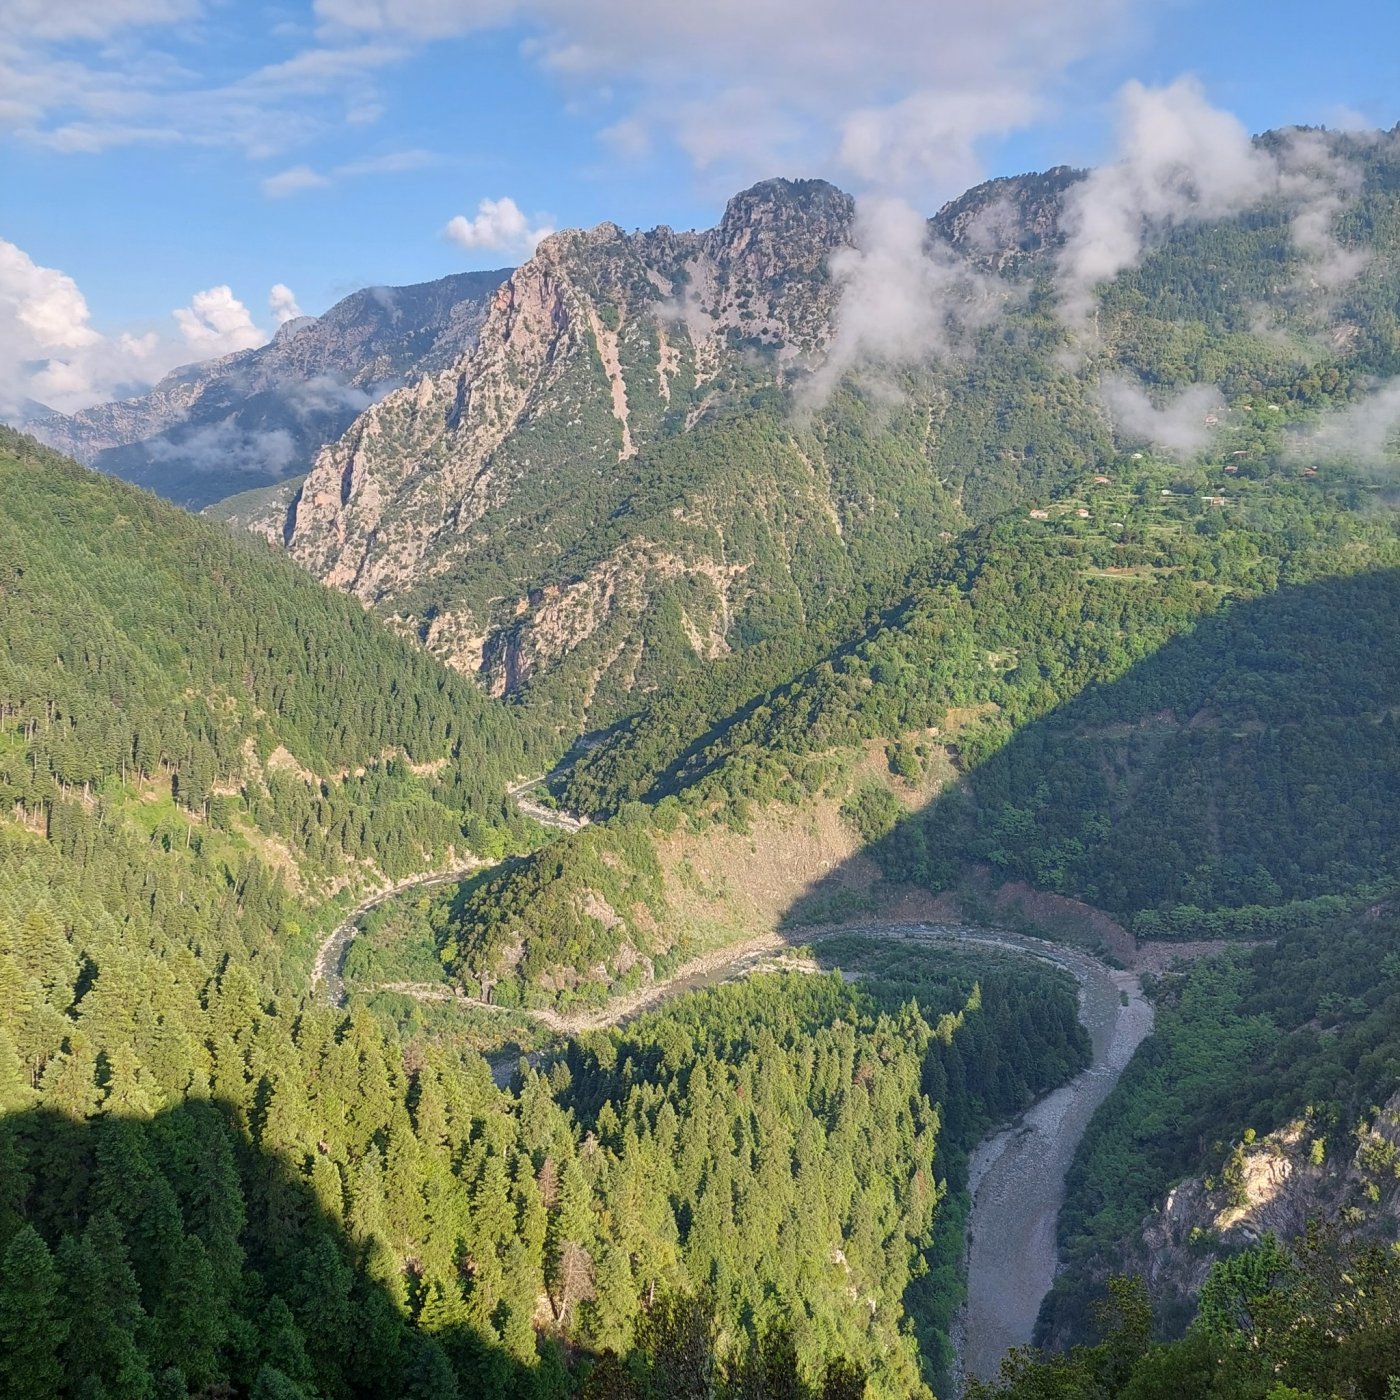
{"x": 255, "y": 417}
{"x": 794, "y": 219}
{"x": 297, "y": 324}
{"x": 1003, "y": 222}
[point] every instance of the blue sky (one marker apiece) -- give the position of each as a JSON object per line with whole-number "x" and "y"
{"x": 153, "y": 150}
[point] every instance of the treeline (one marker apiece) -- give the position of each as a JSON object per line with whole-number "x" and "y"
{"x": 1018, "y": 614}
{"x": 1134, "y": 710}
{"x": 1247, "y": 765}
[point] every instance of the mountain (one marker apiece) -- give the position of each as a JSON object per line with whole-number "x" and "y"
{"x": 1005, "y": 223}
{"x": 210, "y": 691}
{"x": 612, "y": 485}
{"x": 988, "y": 632}
{"x": 254, "y": 417}
{"x": 642, "y": 467}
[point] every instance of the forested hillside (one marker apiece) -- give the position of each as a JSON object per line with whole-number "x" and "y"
{"x": 210, "y": 1180}
{"x": 645, "y": 466}
{"x": 1142, "y": 688}
{"x": 1300, "y": 1033}
{"x": 189, "y": 685}
{"x": 267, "y": 1194}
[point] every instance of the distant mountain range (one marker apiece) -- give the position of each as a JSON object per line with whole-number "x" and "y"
{"x": 255, "y": 417}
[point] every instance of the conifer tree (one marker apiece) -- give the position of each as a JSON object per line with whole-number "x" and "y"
{"x": 33, "y": 1324}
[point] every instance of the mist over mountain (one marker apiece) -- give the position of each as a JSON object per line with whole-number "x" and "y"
{"x": 255, "y": 417}
{"x": 668, "y": 445}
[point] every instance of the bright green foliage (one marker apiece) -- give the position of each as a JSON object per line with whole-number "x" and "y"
{"x": 1150, "y": 700}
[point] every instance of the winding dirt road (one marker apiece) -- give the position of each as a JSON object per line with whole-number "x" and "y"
{"x": 330, "y": 957}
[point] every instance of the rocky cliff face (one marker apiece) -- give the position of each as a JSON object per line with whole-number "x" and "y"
{"x": 1276, "y": 1185}
{"x": 252, "y": 418}
{"x": 511, "y": 510}
{"x": 613, "y": 482}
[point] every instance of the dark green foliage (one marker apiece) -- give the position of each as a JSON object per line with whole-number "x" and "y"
{"x": 620, "y": 1175}
{"x": 33, "y": 1322}
{"x": 1301, "y": 1027}
{"x": 1318, "y": 1322}
{"x": 1132, "y": 711}
{"x": 1250, "y": 763}
{"x": 149, "y": 654}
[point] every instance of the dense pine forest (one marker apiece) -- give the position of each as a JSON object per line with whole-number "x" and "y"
{"x": 210, "y": 1180}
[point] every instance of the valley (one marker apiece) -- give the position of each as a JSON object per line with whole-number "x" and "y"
{"x": 954, "y": 947}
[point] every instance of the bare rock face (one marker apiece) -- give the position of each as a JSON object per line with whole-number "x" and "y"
{"x": 457, "y": 502}
{"x": 415, "y": 468}
{"x": 1275, "y": 1185}
{"x": 253, "y": 418}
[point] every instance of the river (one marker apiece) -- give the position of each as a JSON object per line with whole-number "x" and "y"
{"x": 1017, "y": 1175}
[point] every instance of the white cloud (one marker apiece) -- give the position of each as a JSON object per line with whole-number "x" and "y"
{"x": 294, "y": 180}
{"x": 226, "y": 447}
{"x": 297, "y": 178}
{"x": 931, "y": 137}
{"x": 1364, "y": 432}
{"x": 1180, "y": 159}
{"x": 87, "y": 97}
{"x": 906, "y": 91}
{"x": 282, "y": 303}
{"x": 1178, "y": 426}
{"x": 902, "y": 298}
{"x": 500, "y": 225}
{"x": 52, "y": 353}
{"x": 46, "y": 307}
{"x": 89, "y": 19}
{"x": 217, "y": 323}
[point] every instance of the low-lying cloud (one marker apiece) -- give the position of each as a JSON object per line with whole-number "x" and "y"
{"x": 226, "y": 447}
{"x": 1364, "y": 433}
{"x": 1183, "y": 426}
{"x": 903, "y": 298}
{"x": 324, "y": 394}
{"x": 1181, "y": 160}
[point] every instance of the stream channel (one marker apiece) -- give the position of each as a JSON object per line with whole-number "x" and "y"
{"x": 1017, "y": 1173}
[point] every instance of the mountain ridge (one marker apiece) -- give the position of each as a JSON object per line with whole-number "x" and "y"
{"x": 251, "y": 417}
